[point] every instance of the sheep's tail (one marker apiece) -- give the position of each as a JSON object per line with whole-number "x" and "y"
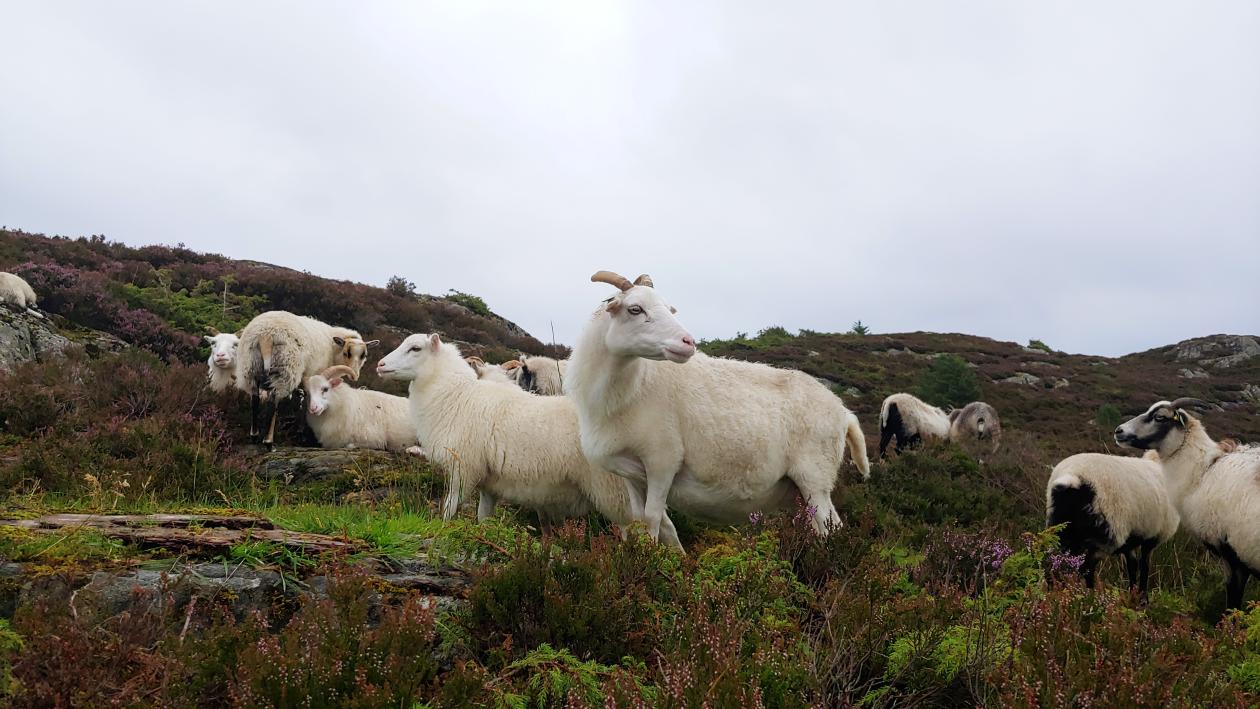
{"x": 272, "y": 366}
{"x": 857, "y": 444}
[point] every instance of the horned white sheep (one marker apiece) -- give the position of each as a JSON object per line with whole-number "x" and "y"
{"x": 221, "y": 364}
{"x": 16, "y": 291}
{"x": 976, "y": 421}
{"x": 507, "y": 443}
{"x": 684, "y": 435}
{"x": 279, "y": 350}
{"x": 490, "y": 372}
{"x": 1111, "y": 504}
{"x": 910, "y": 420}
{"x": 344, "y": 417}
{"x": 1217, "y": 493}
{"x": 542, "y": 375}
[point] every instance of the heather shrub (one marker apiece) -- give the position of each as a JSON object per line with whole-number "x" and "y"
{"x": 948, "y": 381}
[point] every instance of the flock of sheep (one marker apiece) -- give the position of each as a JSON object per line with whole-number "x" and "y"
{"x": 638, "y": 421}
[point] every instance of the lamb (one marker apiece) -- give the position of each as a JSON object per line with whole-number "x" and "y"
{"x": 1111, "y": 504}
{"x": 344, "y": 417}
{"x": 976, "y": 421}
{"x": 682, "y": 434}
{"x": 542, "y": 375}
{"x": 505, "y": 442}
{"x": 280, "y": 350}
{"x": 1216, "y": 492}
{"x": 16, "y": 291}
{"x": 910, "y": 420}
{"x": 221, "y": 364}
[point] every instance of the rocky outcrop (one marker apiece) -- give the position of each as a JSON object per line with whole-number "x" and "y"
{"x": 1218, "y": 351}
{"x": 296, "y": 465}
{"x": 26, "y": 336}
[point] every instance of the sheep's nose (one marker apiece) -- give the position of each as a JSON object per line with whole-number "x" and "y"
{"x": 1119, "y": 430}
{"x": 689, "y": 340}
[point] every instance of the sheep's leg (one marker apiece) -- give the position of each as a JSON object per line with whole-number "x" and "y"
{"x": 1144, "y": 567}
{"x": 1236, "y": 585}
{"x": 884, "y": 437}
{"x": 485, "y": 506}
{"x": 669, "y": 535}
{"x": 254, "y": 406}
{"x": 815, "y": 486}
{"x": 450, "y": 506}
{"x": 1088, "y": 568}
{"x": 1131, "y": 568}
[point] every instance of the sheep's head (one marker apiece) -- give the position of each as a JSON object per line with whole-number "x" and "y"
{"x": 420, "y": 356}
{"x": 222, "y": 348}
{"x": 1161, "y": 428}
{"x": 641, "y": 323}
{"x": 352, "y": 351}
{"x": 320, "y": 388}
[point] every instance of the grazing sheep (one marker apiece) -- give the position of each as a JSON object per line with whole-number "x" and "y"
{"x": 279, "y": 350}
{"x": 505, "y": 442}
{"x": 716, "y": 438}
{"x": 976, "y": 421}
{"x": 1111, "y": 504}
{"x": 542, "y": 375}
{"x": 344, "y": 417}
{"x": 16, "y": 291}
{"x": 1216, "y": 492}
{"x": 910, "y": 420}
{"x": 221, "y": 364}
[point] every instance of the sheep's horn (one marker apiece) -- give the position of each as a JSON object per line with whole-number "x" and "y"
{"x": 474, "y": 361}
{"x": 213, "y": 331}
{"x": 612, "y": 279}
{"x": 339, "y": 370}
{"x": 1190, "y": 401}
{"x": 644, "y": 280}
{"x": 511, "y": 364}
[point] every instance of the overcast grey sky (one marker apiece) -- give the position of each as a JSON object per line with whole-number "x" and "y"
{"x": 1084, "y": 173}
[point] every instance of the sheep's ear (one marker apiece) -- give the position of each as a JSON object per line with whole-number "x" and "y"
{"x": 208, "y": 339}
{"x": 613, "y": 306}
{"x": 371, "y": 343}
{"x": 434, "y": 342}
{"x": 1181, "y": 416}
{"x": 340, "y": 342}
{"x": 335, "y": 382}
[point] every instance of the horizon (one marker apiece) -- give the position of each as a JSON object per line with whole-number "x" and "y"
{"x": 999, "y": 170}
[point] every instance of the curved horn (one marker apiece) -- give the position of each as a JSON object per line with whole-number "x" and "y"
{"x": 213, "y": 331}
{"x": 511, "y": 364}
{"x": 612, "y": 279}
{"x": 339, "y": 370}
{"x": 1191, "y": 402}
{"x": 644, "y": 280}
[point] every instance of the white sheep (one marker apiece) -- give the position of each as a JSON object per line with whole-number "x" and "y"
{"x": 490, "y": 372}
{"x": 16, "y": 291}
{"x": 976, "y": 421}
{"x": 221, "y": 364}
{"x": 910, "y": 420}
{"x": 1216, "y": 492}
{"x": 1111, "y": 504}
{"x": 542, "y": 375}
{"x": 716, "y": 438}
{"x": 279, "y": 350}
{"x": 507, "y": 443}
{"x": 344, "y": 417}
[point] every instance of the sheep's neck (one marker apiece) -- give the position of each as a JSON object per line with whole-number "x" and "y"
{"x": 1184, "y": 468}
{"x": 600, "y": 382}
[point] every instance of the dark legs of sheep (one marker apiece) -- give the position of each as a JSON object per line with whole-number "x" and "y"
{"x": 1088, "y": 568}
{"x": 1236, "y": 585}
{"x": 884, "y": 437}
{"x": 254, "y": 406}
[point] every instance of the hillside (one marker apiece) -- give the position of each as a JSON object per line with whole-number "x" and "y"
{"x": 150, "y": 556}
{"x": 164, "y": 298}
{"x": 1053, "y": 395}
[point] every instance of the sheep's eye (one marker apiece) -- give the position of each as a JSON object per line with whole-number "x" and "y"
{"x": 635, "y": 310}
{"x": 414, "y": 349}
{"x": 325, "y": 390}
{"x": 1160, "y": 417}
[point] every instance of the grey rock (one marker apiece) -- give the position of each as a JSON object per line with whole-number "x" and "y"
{"x": 26, "y": 336}
{"x": 1192, "y": 373}
{"x": 1059, "y": 383}
{"x": 1251, "y": 392}
{"x": 1022, "y": 378}
{"x": 1219, "y": 351}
